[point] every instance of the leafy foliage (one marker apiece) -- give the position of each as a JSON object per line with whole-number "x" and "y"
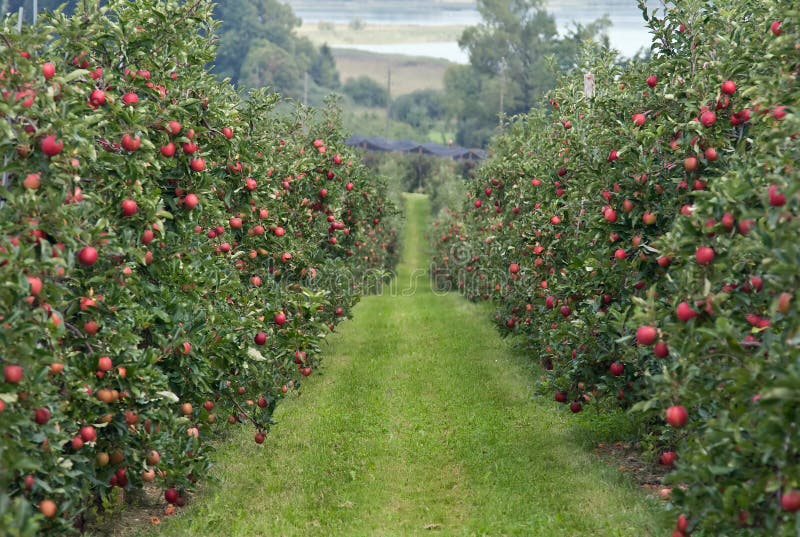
{"x": 638, "y": 240}
{"x": 171, "y": 254}
{"x": 420, "y": 108}
{"x": 365, "y": 91}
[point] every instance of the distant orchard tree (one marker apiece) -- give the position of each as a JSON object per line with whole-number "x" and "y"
{"x": 323, "y": 69}
{"x": 268, "y": 65}
{"x": 247, "y": 22}
{"x": 420, "y": 108}
{"x": 508, "y": 55}
{"x": 365, "y": 91}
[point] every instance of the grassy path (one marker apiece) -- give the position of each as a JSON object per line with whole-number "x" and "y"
{"x": 419, "y": 424}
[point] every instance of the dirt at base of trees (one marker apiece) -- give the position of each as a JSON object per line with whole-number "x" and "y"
{"x": 130, "y": 514}
{"x": 629, "y": 460}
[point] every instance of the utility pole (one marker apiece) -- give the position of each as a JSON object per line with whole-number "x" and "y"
{"x": 502, "y": 88}
{"x": 388, "y": 99}
{"x": 35, "y": 10}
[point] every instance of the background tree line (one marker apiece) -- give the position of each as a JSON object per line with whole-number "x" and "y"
{"x": 257, "y": 47}
{"x": 513, "y": 56}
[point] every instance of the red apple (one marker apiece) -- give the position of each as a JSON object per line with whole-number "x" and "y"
{"x": 32, "y": 181}
{"x": 667, "y": 458}
{"x": 88, "y": 433}
{"x": 41, "y": 415}
{"x": 147, "y": 236}
{"x": 130, "y": 143}
{"x": 87, "y": 256}
{"x": 197, "y": 164}
{"x": 704, "y": 255}
{"x": 661, "y": 349}
{"x": 775, "y": 28}
{"x": 280, "y": 318}
{"x": 652, "y": 80}
{"x": 513, "y": 268}
{"x": 685, "y": 312}
{"x": 260, "y": 437}
{"x": 682, "y": 523}
{"x": 153, "y": 457}
{"x": 171, "y": 495}
{"x": 677, "y": 416}
{"x": 728, "y": 87}
{"x": 129, "y": 207}
{"x": 35, "y": 284}
{"x": 727, "y": 221}
{"x": 48, "y": 508}
{"x": 646, "y": 335}
{"x": 13, "y": 373}
{"x": 50, "y": 146}
{"x": 784, "y": 303}
{"x": 776, "y": 199}
{"x": 190, "y": 201}
{"x": 97, "y": 98}
{"x": 790, "y": 501}
{"x": 168, "y": 150}
{"x": 561, "y": 397}
{"x": 260, "y": 338}
{"x": 104, "y": 364}
{"x": 708, "y": 118}
{"x": 173, "y": 128}
{"x": 616, "y": 369}
{"x": 48, "y": 70}
{"x": 227, "y": 132}
{"x": 575, "y": 407}
{"x": 130, "y": 98}
{"x": 639, "y": 119}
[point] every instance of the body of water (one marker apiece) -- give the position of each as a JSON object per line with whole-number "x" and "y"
{"x": 628, "y": 32}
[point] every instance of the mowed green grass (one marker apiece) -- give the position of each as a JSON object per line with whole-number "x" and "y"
{"x": 421, "y": 422}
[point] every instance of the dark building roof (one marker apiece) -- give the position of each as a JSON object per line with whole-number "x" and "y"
{"x": 378, "y": 143}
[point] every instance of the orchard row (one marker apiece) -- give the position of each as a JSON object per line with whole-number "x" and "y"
{"x": 171, "y": 255}
{"x": 640, "y": 239}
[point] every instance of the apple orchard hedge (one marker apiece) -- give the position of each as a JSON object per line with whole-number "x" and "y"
{"x": 171, "y": 255}
{"x": 641, "y": 238}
